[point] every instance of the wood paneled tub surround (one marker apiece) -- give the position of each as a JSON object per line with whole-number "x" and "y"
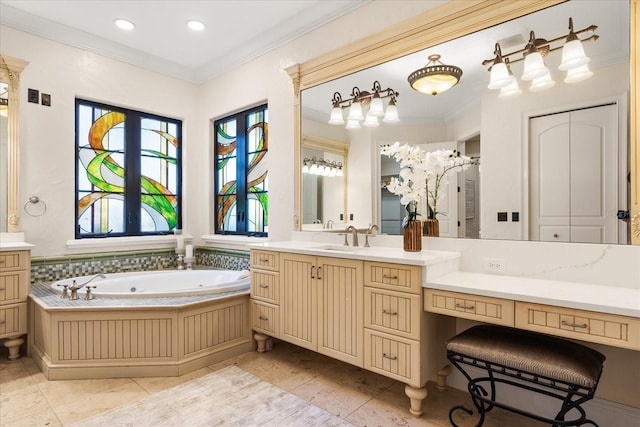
{"x": 110, "y": 337}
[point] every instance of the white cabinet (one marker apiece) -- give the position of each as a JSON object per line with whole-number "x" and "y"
{"x": 365, "y": 313}
{"x": 14, "y": 288}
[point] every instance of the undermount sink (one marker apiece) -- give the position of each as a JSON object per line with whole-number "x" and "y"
{"x": 340, "y": 248}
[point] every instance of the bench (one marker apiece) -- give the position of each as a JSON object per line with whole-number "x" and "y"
{"x": 526, "y": 360}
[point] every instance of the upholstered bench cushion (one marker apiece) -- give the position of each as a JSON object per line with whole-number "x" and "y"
{"x": 531, "y": 352}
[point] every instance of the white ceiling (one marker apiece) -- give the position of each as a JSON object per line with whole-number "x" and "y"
{"x": 240, "y": 30}
{"x": 236, "y": 32}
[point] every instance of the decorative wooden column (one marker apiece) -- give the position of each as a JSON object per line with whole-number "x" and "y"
{"x": 10, "y": 69}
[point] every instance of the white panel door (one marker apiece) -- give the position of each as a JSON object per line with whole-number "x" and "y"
{"x": 573, "y": 176}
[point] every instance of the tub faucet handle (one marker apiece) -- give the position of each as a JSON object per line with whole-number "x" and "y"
{"x": 74, "y": 290}
{"x": 89, "y": 294}
{"x": 65, "y": 293}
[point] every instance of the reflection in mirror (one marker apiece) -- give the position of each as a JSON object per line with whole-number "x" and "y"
{"x": 540, "y": 165}
{"x": 324, "y": 176}
{"x": 4, "y": 147}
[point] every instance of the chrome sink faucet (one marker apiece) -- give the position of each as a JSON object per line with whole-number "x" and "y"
{"x": 371, "y": 231}
{"x": 354, "y": 234}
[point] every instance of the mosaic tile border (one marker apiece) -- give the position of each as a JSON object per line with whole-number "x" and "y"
{"x": 48, "y": 269}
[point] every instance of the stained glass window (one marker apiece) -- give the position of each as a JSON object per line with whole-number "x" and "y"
{"x": 127, "y": 172}
{"x": 241, "y": 199}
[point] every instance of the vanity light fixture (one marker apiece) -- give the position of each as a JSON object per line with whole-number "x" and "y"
{"x": 574, "y": 61}
{"x": 4, "y": 100}
{"x": 435, "y": 77}
{"x": 322, "y": 167}
{"x": 125, "y": 24}
{"x": 365, "y": 105}
{"x": 4, "y": 107}
{"x": 511, "y": 89}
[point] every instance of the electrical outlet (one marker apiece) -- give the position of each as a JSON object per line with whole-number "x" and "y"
{"x": 494, "y": 265}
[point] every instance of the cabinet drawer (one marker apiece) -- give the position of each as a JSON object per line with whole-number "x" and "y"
{"x": 392, "y": 356}
{"x": 395, "y": 277}
{"x": 266, "y": 260}
{"x": 474, "y": 307}
{"x": 13, "y": 320}
{"x": 14, "y": 287}
{"x": 265, "y": 286}
{"x": 610, "y": 329}
{"x": 397, "y": 313}
{"x": 265, "y": 318}
{"x": 18, "y": 260}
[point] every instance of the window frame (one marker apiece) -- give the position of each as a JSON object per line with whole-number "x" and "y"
{"x": 241, "y": 172}
{"x": 133, "y": 155}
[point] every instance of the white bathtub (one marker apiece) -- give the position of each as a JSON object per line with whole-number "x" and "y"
{"x": 164, "y": 283}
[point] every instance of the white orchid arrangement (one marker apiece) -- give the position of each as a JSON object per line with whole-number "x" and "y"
{"x": 421, "y": 175}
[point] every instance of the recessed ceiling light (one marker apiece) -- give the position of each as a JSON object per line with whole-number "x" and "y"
{"x": 124, "y": 24}
{"x": 196, "y": 25}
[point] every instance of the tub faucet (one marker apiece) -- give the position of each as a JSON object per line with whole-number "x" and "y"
{"x": 100, "y": 275}
{"x": 354, "y": 233}
{"x": 74, "y": 290}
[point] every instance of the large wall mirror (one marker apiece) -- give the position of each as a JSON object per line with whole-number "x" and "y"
{"x": 526, "y": 145}
{"x": 10, "y": 69}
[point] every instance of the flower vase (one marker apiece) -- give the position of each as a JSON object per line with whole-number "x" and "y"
{"x": 431, "y": 227}
{"x": 413, "y": 236}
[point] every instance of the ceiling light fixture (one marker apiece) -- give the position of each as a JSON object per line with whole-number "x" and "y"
{"x": 125, "y": 24}
{"x": 435, "y": 77}
{"x": 574, "y": 60}
{"x": 364, "y": 105}
{"x": 196, "y": 25}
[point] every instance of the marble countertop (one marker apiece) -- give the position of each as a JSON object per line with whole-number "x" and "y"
{"x": 374, "y": 253}
{"x": 582, "y": 296}
{"x": 13, "y": 242}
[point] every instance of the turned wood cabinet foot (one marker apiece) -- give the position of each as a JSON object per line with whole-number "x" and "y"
{"x": 261, "y": 339}
{"x": 416, "y": 396}
{"x": 13, "y": 344}
{"x": 441, "y": 377}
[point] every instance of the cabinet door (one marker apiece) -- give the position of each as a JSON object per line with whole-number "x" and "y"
{"x": 298, "y": 308}
{"x": 340, "y": 304}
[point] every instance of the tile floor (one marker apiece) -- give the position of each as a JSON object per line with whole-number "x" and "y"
{"x": 360, "y": 397}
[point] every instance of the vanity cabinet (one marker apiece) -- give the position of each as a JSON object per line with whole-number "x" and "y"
{"x": 586, "y": 325}
{"x": 322, "y": 305}
{"x": 401, "y": 340}
{"x": 365, "y": 313}
{"x": 14, "y": 289}
{"x": 467, "y": 306}
{"x": 265, "y": 292}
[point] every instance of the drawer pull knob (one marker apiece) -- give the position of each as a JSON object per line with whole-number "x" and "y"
{"x": 574, "y": 325}
{"x": 263, "y": 318}
{"x": 390, "y": 313}
{"x": 2, "y": 322}
{"x": 264, "y": 259}
{"x": 263, "y": 286}
{"x": 465, "y": 307}
{"x": 384, "y": 276}
{"x": 386, "y": 356}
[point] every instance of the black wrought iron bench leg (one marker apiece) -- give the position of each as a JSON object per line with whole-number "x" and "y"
{"x": 482, "y": 404}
